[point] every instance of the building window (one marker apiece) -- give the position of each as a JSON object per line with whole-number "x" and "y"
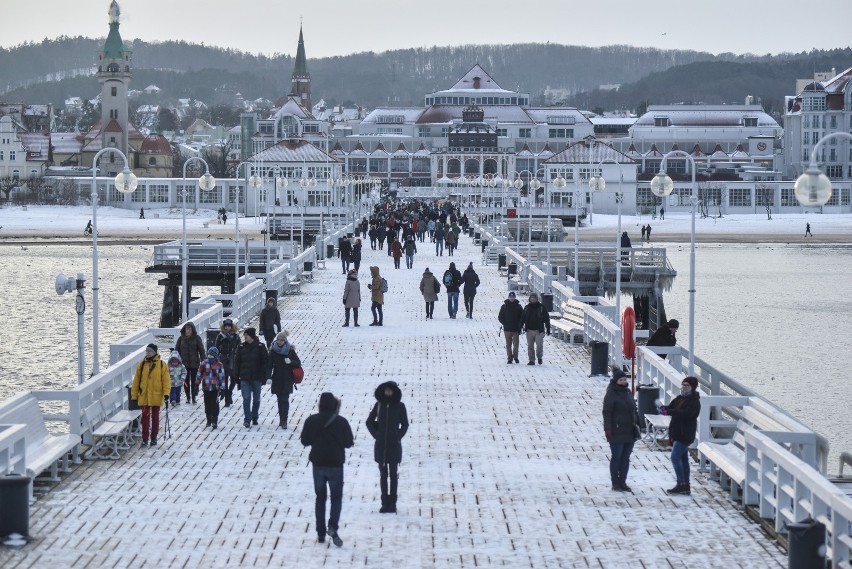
{"x": 358, "y": 165}
{"x": 788, "y": 197}
{"x": 834, "y": 171}
{"x": 211, "y": 197}
{"x": 683, "y": 195}
{"x": 502, "y": 132}
{"x": 445, "y": 131}
{"x": 113, "y": 91}
{"x": 805, "y": 153}
{"x": 16, "y": 174}
{"x": 832, "y": 155}
{"x": 424, "y": 131}
{"x": 378, "y": 165}
{"x": 561, "y": 133}
{"x": 152, "y": 161}
{"x": 816, "y": 103}
{"x": 524, "y": 133}
{"x": 389, "y": 130}
{"x": 1, "y": 155}
{"x": 661, "y": 121}
{"x": 749, "y": 121}
{"x": 739, "y": 197}
{"x": 159, "y": 193}
{"x": 312, "y": 128}
{"x": 806, "y": 121}
{"x": 833, "y": 121}
{"x": 12, "y": 156}
{"x": 844, "y": 194}
{"x": 764, "y": 197}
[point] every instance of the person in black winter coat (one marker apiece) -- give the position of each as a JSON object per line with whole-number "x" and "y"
{"x": 227, "y": 342}
{"x": 191, "y": 349}
{"x": 625, "y": 244}
{"x": 684, "y": 410}
{"x": 250, "y": 367}
{"x": 511, "y": 317}
{"x": 329, "y": 435}
{"x": 270, "y": 320}
{"x": 536, "y": 323}
{"x": 665, "y": 335}
{"x": 471, "y": 281}
{"x": 356, "y": 255}
{"x": 388, "y": 423}
{"x": 282, "y": 361}
{"x": 344, "y": 251}
{"x": 621, "y": 427}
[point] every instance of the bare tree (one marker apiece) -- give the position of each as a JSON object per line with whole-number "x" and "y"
{"x": 710, "y": 197}
{"x": 7, "y": 184}
{"x": 216, "y": 156}
{"x": 65, "y": 192}
{"x": 765, "y": 196}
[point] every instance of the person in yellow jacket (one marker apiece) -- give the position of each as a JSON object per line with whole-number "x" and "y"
{"x": 151, "y": 386}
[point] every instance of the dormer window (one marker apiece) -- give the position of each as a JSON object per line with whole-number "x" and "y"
{"x": 661, "y": 121}
{"x": 749, "y": 121}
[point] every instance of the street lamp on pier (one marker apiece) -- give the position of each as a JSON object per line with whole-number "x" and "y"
{"x": 813, "y": 188}
{"x": 662, "y": 186}
{"x": 206, "y": 182}
{"x": 237, "y": 227}
{"x": 125, "y": 182}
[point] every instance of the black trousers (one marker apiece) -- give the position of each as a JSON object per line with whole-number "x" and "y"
{"x": 211, "y": 406}
{"x": 189, "y": 385}
{"x": 468, "y": 302}
{"x": 388, "y": 473}
{"x": 430, "y": 309}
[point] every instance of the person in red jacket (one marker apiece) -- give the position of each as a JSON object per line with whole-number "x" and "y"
{"x": 396, "y": 251}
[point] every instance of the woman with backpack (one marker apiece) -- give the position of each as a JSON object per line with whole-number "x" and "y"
{"x": 282, "y": 361}
{"x": 429, "y": 288}
{"x": 377, "y": 296}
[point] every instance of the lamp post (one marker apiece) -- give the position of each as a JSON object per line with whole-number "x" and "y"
{"x": 255, "y": 181}
{"x": 237, "y": 230}
{"x": 598, "y": 184}
{"x": 125, "y": 182}
{"x": 305, "y": 182}
{"x": 813, "y": 188}
{"x": 662, "y": 186}
{"x": 276, "y": 179}
{"x": 559, "y": 183}
{"x": 206, "y": 182}
{"x": 68, "y": 284}
{"x": 576, "y": 201}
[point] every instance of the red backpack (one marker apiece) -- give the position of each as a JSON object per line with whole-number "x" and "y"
{"x": 298, "y": 375}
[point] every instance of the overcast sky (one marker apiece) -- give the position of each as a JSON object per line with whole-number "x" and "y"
{"x": 340, "y": 27}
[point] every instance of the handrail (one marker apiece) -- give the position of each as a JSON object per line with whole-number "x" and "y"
{"x": 13, "y": 449}
{"x": 787, "y": 490}
{"x": 845, "y": 458}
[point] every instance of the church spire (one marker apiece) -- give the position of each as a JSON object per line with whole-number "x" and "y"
{"x": 300, "y": 83}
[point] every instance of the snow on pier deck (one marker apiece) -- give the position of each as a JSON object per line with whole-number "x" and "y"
{"x": 503, "y": 466}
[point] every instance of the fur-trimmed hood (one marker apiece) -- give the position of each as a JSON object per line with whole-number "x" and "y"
{"x": 380, "y": 393}
{"x": 234, "y": 326}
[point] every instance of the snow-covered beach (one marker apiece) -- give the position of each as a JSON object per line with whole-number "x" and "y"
{"x": 35, "y": 223}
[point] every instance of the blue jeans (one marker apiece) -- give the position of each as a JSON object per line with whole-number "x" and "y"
{"x": 619, "y": 464}
{"x": 439, "y": 246}
{"x": 453, "y": 303}
{"x": 333, "y": 477}
{"x": 680, "y": 461}
{"x": 251, "y": 399}
{"x": 409, "y": 261}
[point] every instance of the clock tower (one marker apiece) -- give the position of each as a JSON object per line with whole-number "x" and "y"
{"x": 114, "y": 74}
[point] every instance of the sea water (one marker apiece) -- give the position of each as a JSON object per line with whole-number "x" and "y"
{"x": 774, "y": 317}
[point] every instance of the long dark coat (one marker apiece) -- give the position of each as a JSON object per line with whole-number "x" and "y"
{"x": 620, "y": 415}
{"x": 282, "y": 372}
{"x": 191, "y": 349}
{"x": 388, "y": 423}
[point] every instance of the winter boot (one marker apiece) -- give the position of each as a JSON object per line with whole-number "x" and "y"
{"x": 391, "y": 504}
{"x": 680, "y": 488}
{"x": 384, "y": 508}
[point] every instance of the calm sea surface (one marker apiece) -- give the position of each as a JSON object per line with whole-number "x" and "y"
{"x": 775, "y": 317}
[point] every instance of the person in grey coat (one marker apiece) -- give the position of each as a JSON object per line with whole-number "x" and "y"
{"x": 621, "y": 428}
{"x": 352, "y": 296}
{"x": 429, "y": 288}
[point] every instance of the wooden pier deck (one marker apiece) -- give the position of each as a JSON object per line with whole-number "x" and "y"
{"x": 503, "y": 466}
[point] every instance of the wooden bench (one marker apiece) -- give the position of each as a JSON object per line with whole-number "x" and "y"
{"x": 568, "y": 325}
{"x": 115, "y": 412}
{"x": 294, "y": 285}
{"x": 307, "y": 276}
{"x": 107, "y": 436}
{"x": 657, "y": 431}
{"x": 44, "y": 450}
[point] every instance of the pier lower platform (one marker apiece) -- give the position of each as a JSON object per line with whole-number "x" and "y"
{"x": 503, "y": 465}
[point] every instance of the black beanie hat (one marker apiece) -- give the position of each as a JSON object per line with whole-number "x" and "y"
{"x": 251, "y": 332}
{"x": 153, "y": 347}
{"x": 617, "y": 373}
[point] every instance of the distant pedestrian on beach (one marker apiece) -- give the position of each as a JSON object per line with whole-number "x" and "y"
{"x": 684, "y": 410}
{"x": 250, "y": 367}
{"x": 388, "y": 423}
{"x": 227, "y": 341}
{"x": 808, "y": 230}
{"x": 329, "y": 435}
{"x": 621, "y": 428}
{"x": 536, "y": 323}
{"x": 213, "y": 384}
{"x": 643, "y": 233}
{"x": 191, "y": 349}
{"x": 150, "y": 388}
{"x": 351, "y": 297}
{"x": 224, "y": 218}
{"x": 270, "y": 320}
{"x": 141, "y": 213}
{"x": 664, "y": 336}
{"x": 282, "y": 361}
{"x": 429, "y": 288}
{"x": 511, "y": 317}
{"x": 471, "y": 282}
{"x": 177, "y": 375}
{"x": 662, "y": 212}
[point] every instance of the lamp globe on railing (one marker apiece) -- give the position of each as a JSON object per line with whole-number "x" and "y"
{"x": 813, "y": 188}
{"x": 207, "y": 182}
{"x": 126, "y": 181}
{"x": 597, "y": 183}
{"x": 559, "y": 182}
{"x": 283, "y": 181}
{"x": 255, "y": 181}
{"x": 661, "y": 185}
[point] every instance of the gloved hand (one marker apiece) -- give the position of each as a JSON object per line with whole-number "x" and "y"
{"x": 663, "y": 410}
{"x": 221, "y": 395}
{"x": 286, "y": 360}
{"x": 608, "y": 435}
